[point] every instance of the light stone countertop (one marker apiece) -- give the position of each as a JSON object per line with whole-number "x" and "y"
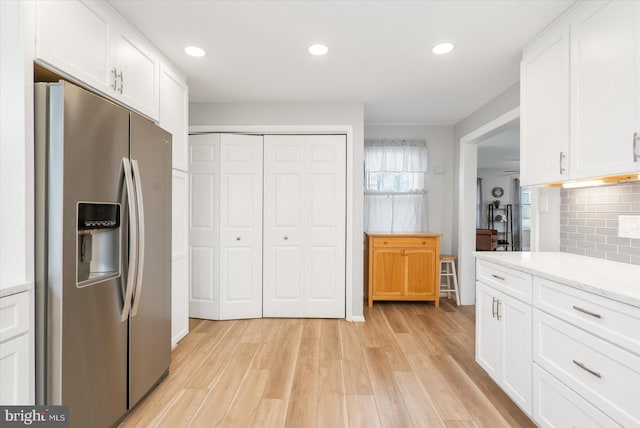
{"x": 614, "y": 280}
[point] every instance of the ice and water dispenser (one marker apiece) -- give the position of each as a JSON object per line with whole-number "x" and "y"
{"x": 98, "y": 247}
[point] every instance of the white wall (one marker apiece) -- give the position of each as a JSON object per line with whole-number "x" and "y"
{"x": 322, "y": 114}
{"x": 439, "y": 186}
{"x": 492, "y": 178}
{"x": 504, "y": 102}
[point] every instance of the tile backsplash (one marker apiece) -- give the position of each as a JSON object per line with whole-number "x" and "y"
{"x": 589, "y": 221}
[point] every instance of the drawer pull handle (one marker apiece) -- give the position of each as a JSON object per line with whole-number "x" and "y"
{"x": 497, "y": 277}
{"x": 498, "y": 310}
{"x": 587, "y": 369}
{"x": 584, "y": 311}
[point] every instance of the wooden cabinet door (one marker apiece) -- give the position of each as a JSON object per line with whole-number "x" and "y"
{"x": 388, "y": 272}
{"x": 544, "y": 109}
{"x": 605, "y": 79}
{"x": 420, "y": 275}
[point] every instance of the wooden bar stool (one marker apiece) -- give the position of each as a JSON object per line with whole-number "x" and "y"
{"x": 448, "y": 271}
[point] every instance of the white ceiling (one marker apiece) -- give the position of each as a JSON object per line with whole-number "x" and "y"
{"x": 380, "y": 51}
{"x": 502, "y": 150}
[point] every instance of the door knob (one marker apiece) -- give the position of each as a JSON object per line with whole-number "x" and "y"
{"x": 286, "y": 237}
{"x": 237, "y": 238}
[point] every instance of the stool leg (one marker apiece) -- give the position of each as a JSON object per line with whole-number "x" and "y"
{"x": 448, "y": 279}
{"x": 455, "y": 282}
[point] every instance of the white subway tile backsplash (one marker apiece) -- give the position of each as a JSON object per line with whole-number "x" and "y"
{"x": 589, "y": 221}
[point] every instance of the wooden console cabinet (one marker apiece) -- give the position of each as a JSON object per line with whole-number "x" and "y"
{"x": 403, "y": 267}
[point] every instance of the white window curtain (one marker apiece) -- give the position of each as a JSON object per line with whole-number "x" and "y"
{"x": 395, "y": 194}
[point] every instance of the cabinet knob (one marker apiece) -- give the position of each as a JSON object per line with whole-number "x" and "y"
{"x": 424, "y": 243}
{"x": 286, "y": 237}
{"x": 237, "y": 238}
{"x": 385, "y": 242}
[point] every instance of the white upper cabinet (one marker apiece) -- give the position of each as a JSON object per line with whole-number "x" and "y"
{"x": 580, "y": 95}
{"x": 137, "y": 70}
{"x": 545, "y": 112}
{"x": 74, "y": 38}
{"x": 173, "y": 114}
{"x": 605, "y": 74}
{"x": 89, "y": 43}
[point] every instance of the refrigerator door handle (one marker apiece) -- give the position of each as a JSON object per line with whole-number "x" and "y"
{"x": 133, "y": 240}
{"x": 140, "y": 267}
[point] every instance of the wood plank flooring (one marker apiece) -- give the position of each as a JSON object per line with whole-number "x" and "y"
{"x": 409, "y": 365}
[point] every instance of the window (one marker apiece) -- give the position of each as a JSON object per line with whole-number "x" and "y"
{"x": 395, "y": 192}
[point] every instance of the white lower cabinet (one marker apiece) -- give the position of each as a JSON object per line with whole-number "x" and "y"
{"x": 16, "y": 347}
{"x": 503, "y": 342}
{"x": 557, "y": 406}
{"x": 179, "y": 256}
{"x": 570, "y": 358}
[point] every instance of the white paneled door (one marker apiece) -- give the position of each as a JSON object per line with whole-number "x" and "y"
{"x": 304, "y": 226}
{"x": 240, "y": 226}
{"x": 204, "y": 165}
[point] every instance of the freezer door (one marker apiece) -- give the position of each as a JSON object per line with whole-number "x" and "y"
{"x": 86, "y": 343}
{"x": 150, "y": 320}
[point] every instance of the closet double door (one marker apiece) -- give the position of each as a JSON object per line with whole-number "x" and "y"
{"x": 267, "y": 229}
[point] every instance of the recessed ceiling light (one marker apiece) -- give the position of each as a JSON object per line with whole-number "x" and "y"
{"x": 318, "y": 49}
{"x": 195, "y": 51}
{"x": 443, "y": 48}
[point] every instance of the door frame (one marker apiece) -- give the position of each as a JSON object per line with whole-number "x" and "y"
{"x": 347, "y": 130}
{"x": 467, "y": 200}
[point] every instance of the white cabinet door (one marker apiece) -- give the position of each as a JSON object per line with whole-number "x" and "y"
{"x": 173, "y": 114}
{"x": 515, "y": 319}
{"x": 488, "y": 331}
{"x": 138, "y": 71}
{"x": 14, "y": 371}
{"x": 605, "y": 78}
{"x": 179, "y": 256}
{"x": 240, "y": 226}
{"x": 545, "y": 112}
{"x": 204, "y": 296}
{"x": 73, "y": 37}
{"x": 304, "y": 226}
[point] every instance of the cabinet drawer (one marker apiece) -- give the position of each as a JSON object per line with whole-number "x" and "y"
{"x": 605, "y": 375}
{"x": 555, "y": 405}
{"x": 610, "y": 320}
{"x": 510, "y": 281}
{"x": 404, "y": 243}
{"x": 14, "y": 315}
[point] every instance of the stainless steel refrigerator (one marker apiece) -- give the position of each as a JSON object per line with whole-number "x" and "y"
{"x": 103, "y": 254}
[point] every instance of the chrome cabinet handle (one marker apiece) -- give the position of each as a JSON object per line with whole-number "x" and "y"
{"x": 493, "y": 308}
{"x": 561, "y": 158}
{"x": 636, "y": 150}
{"x": 121, "y": 82}
{"x": 139, "y": 197}
{"x": 584, "y": 311}
{"x": 133, "y": 250}
{"x": 114, "y": 85}
{"x": 497, "y": 277}
{"x": 498, "y": 310}
{"x": 587, "y": 369}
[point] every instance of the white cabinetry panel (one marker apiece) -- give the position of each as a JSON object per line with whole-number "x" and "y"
{"x": 545, "y": 114}
{"x": 605, "y": 78}
{"x": 173, "y": 114}
{"x": 304, "y": 220}
{"x": 14, "y": 371}
{"x": 73, "y": 37}
{"x": 179, "y": 256}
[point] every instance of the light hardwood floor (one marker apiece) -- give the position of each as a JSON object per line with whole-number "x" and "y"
{"x": 409, "y": 365}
